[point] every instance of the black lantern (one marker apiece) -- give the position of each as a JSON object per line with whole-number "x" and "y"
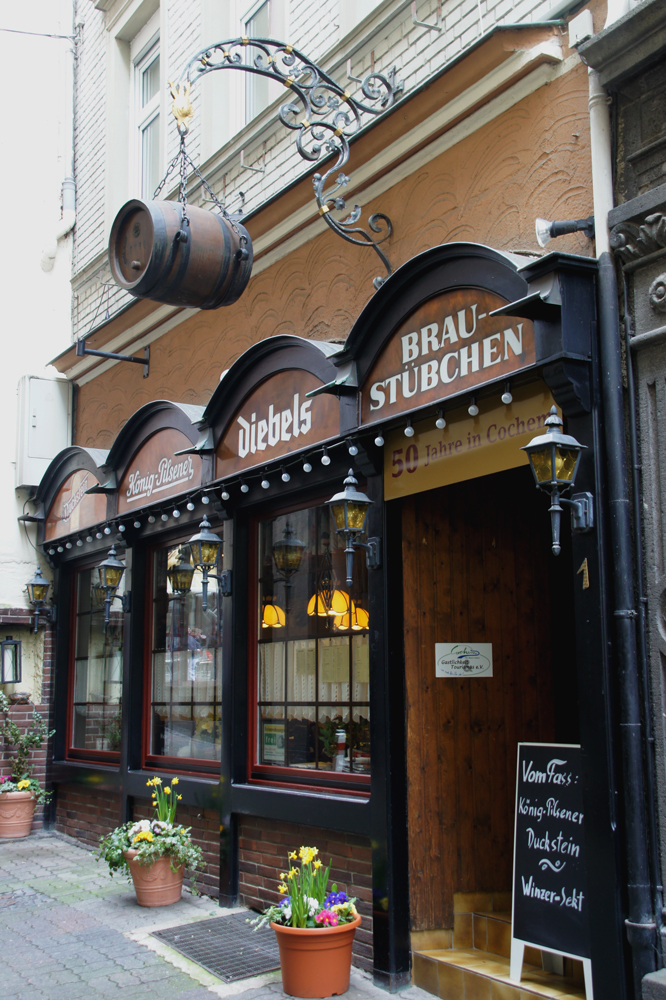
{"x": 554, "y": 460}
{"x": 288, "y": 552}
{"x": 110, "y": 574}
{"x": 349, "y": 510}
{"x": 38, "y": 588}
{"x": 180, "y": 575}
{"x": 10, "y": 661}
{"x": 204, "y": 547}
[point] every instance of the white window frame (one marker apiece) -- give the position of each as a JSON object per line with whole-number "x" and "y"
{"x": 144, "y": 48}
{"x": 249, "y": 77}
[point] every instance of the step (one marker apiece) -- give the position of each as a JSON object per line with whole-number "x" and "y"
{"x": 491, "y": 932}
{"x": 457, "y": 974}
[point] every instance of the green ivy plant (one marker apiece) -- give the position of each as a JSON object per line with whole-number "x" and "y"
{"x": 23, "y": 743}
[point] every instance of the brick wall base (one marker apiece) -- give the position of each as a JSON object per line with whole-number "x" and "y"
{"x": 263, "y": 848}
{"x": 85, "y": 814}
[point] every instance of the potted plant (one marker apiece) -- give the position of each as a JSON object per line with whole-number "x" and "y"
{"x": 153, "y": 853}
{"x": 315, "y": 928}
{"x": 20, "y": 791}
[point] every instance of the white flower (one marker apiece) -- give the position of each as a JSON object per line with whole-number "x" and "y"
{"x": 159, "y": 826}
{"x": 139, "y": 827}
{"x": 286, "y": 912}
{"x": 313, "y": 905}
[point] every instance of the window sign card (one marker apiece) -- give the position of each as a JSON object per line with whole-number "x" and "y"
{"x": 334, "y": 661}
{"x": 273, "y": 740}
{"x": 463, "y": 659}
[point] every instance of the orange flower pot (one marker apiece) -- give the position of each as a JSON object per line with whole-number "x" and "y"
{"x": 16, "y": 812}
{"x": 315, "y": 962}
{"x": 156, "y": 884}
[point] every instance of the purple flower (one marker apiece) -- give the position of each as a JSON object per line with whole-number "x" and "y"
{"x": 334, "y": 898}
{"x": 284, "y": 902}
{"x": 2, "y": 780}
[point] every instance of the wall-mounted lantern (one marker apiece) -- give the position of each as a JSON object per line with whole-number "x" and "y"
{"x": 10, "y": 661}
{"x": 554, "y": 460}
{"x": 180, "y": 575}
{"x": 204, "y": 547}
{"x": 38, "y": 589}
{"x": 350, "y": 510}
{"x": 110, "y": 574}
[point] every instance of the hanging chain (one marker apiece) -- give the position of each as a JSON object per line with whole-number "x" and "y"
{"x": 185, "y": 160}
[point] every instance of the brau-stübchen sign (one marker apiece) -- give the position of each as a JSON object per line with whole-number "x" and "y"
{"x": 550, "y": 898}
{"x": 448, "y": 345}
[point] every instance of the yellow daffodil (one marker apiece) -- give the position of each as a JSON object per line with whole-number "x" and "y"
{"x": 317, "y": 864}
{"x": 293, "y": 854}
{"x": 167, "y": 790}
{"x": 23, "y": 784}
{"x": 283, "y": 876}
{"x": 306, "y": 855}
{"x": 149, "y": 783}
{"x": 157, "y": 781}
{"x": 293, "y": 873}
{"x": 282, "y": 888}
{"x": 174, "y": 781}
{"x": 180, "y": 798}
{"x": 315, "y": 851}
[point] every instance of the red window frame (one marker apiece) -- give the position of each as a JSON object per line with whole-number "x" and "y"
{"x": 269, "y": 774}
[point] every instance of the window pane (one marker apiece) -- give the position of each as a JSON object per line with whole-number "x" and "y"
{"x": 150, "y": 81}
{"x": 186, "y": 707}
{"x": 256, "y": 87}
{"x": 98, "y": 668}
{"x": 313, "y": 652}
{"x": 150, "y": 157}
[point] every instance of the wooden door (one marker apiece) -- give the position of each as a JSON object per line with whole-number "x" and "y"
{"x": 476, "y": 564}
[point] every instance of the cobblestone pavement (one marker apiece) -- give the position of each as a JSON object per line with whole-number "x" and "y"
{"x": 69, "y": 931}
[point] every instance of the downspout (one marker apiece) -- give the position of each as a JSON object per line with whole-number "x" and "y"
{"x": 640, "y": 922}
{"x": 68, "y": 219}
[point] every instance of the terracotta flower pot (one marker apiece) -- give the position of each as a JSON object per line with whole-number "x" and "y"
{"x": 156, "y": 884}
{"x": 16, "y": 812}
{"x": 315, "y": 961}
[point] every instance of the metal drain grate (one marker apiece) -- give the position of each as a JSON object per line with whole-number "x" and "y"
{"x": 228, "y": 947}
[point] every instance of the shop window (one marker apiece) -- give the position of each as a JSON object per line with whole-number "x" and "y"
{"x": 312, "y": 681}
{"x": 96, "y": 703}
{"x": 185, "y": 697}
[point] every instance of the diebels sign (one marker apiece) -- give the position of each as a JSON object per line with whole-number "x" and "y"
{"x": 156, "y": 472}
{"x": 449, "y": 345}
{"x": 276, "y": 419}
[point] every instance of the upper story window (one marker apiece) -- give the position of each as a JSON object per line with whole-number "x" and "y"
{"x": 97, "y": 671}
{"x": 257, "y": 88}
{"x": 185, "y": 694}
{"x": 147, "y": 95}
{"x": 312, "y": 654}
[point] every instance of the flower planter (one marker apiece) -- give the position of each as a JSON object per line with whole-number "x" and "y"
{"x": 315, "y": 962}
{"x": 16, "y": 812}
{"x": 156, "y": 884}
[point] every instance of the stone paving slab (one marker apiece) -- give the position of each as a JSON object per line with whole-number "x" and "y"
{"x": 69, "y": 932}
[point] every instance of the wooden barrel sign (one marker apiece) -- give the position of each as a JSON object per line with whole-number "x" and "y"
{"x": 205, "y": 265}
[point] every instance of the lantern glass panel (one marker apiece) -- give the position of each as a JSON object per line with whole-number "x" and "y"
{"x": 542, "y": 465}
{"x": 338, "y": 510}
{"x": 565, "y": 463}
{"x": 37, "y": 592}
{"x": 288, "y": 552}
{"x": 356, "y": 515}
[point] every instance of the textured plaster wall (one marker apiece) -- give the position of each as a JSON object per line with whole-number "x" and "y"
{"x": 532, "y": 160}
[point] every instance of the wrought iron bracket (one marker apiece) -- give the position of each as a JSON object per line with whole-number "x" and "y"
{"x": 323, "y": 115}
{"x": 373, "y": 552}
{"x": 582, "y": 511}
{"x": 83, "y": 351}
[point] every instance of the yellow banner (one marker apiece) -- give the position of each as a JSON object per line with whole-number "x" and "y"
{"x": 467, "y": 447}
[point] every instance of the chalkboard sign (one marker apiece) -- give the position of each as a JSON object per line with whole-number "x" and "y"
{"x": 550, "y": 901}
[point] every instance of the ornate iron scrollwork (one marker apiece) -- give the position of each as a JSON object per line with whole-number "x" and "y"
{"x": 323, "y": 115}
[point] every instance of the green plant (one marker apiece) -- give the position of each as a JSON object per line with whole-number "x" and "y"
{"x": 24, "y": 743}
{"x": 152, "y": 839}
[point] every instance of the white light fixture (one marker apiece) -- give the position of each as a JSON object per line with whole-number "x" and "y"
{"x": 79, "y": 543}
{"x": 306, "y": 466}
{"x": 325, "y": 458}
{"x": 137, "y": 524}
{"x": 89, "y": 538}
{"x": 265, "y": 485}
{"x": 121, "y": 527}
{"x": 189, "y": 505}
{"x": 547, "y": 231}
{"x": 244, "y": 487}
{"x": 473, "y": 409}
{"x": 164, "y": 517}
{"x": 352, "y": 448}
{"x": 379, "y": 439}
{"x": 176, "y": 513}
{"x": 507, "y": 398}
{"x": 68, "y": 545}
{"x": 409, "y": 430}
{"x": 285, "y": 475}
{"x": 107, "y": 530}
{"x": 205, "y": 498}
{"x": 440, "y": 423}
{"x": 224, "y": 494}
{"x": 151, "y": 519}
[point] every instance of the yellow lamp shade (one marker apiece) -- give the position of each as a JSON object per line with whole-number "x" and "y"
{"x": 339, "y": 603}
{"x": 317, "y": 606}
{"x": 357, "y": 619}
{"x": 273, "y": 616}
{"x": 554, "y": 456}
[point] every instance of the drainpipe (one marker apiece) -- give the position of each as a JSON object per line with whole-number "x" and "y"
{"x": 68, "y": 219}
{"x": 640, "y": 923}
